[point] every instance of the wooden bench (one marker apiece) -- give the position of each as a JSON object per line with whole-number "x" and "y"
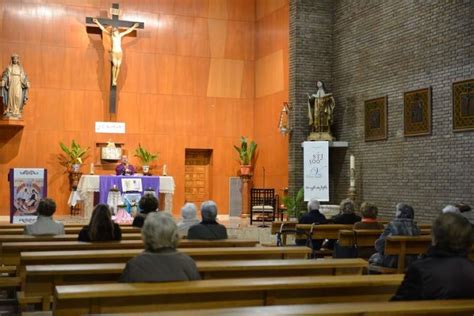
{"x": 439, "y": 307}
{"x": 68, "y": 230}
{"x": 71, "y": 237}
{"x": 40, "y": 280}
{"x": 365, "y": 237}
{"x": 138, "y": 297}
{"x": 123, "y": 255}
{"x": 11, "y": 251}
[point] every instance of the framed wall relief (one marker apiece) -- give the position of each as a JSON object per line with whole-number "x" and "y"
{"x": 463, "y": 105}
{"x": 417, "y": 112}
{"x": 376, "y": 119}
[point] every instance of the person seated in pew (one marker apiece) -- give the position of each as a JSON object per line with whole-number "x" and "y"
{"x": 45, "y": 225}
{"x": 445, "y": 272}
{"x": 402, "y": 225}
{"x": 189, "y": 215}
{"x": 101, "y": 227}
{"x": 160, "y": 262}
{"x": 313, "y": 216}
{"x": 209, "y": 228}
{"x": 148, "y": 203}
{"x": 450, "y": 209}
{"x": 346, "y": 216}
{"x": 369, "y": 213}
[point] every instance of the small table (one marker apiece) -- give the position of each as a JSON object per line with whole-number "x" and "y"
{"x": 88, "y": 184}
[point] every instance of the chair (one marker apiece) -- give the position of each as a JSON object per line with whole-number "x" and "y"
{"x": 262, "y": 202}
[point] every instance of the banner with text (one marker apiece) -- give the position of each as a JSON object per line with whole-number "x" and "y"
{"x": 316, "y": 171}
{"x": 27, "y": 187}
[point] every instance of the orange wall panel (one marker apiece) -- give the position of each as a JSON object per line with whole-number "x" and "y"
{"x": 187, "y": 81}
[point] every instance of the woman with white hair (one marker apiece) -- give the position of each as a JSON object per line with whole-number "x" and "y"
{"x": 189, "y": 214}
{"x": 209, "y": 228}
{"x": 160, "y": 262}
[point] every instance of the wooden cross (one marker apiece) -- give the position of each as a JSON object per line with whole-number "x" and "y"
{"x": 114, "y": 23}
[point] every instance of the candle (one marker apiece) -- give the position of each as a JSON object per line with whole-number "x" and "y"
{"x": 92, "y": 168}
{"x": 352, "y": 171}
{"x": 164, "y": 169}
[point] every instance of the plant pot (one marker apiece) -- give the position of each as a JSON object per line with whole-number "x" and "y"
{"x": 75, "y": 167}
{"x": 245, "y": 170}
{"x": 146, "y": 168}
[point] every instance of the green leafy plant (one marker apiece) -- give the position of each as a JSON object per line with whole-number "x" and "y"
{"x": 246, "y": 151}
{"x": 73, "y": 155}
{"x": 144, "y": 155}
{"x": 294, "y": 204}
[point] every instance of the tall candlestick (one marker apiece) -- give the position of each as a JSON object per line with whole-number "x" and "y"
{"x": 92, "y": 168}
{"x": 352, "y": 171}
{"x": 164, "y": 169}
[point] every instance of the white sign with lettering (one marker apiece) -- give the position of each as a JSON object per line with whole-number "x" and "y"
{"x": 316, "y": 170}
{"x": 110, "y": 127}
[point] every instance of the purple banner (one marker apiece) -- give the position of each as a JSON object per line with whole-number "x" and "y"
{"x": 107, "y": 182}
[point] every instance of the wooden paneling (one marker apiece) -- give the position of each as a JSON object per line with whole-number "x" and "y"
{"x": 269, "y": 74}
{"x": 225, "y": 78}
{"x": 187, "y": 81}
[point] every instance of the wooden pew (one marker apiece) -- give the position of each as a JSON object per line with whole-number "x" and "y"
{"x": 17, "y": 225}
{"x": 68, "y": 230}
{"x": 412, "y": 308}
{"x": 123, "y": 255}
{"x": 11, "y": 251}
{"x": 138, "y": 297}
{"x": 365, "y": 237}
{"x": 71, "y": 237}
{"x": 40, "y": 280}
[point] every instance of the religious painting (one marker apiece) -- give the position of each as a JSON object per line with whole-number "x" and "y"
{"x": 376, "y": 119}
{"x": 417, "y": 112}
{"x": 463, "y": 105}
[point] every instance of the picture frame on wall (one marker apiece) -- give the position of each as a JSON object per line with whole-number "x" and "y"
{"x": 463, "y": 105}
{"x": 417, "y": 112}
{"x": 376, "y": 119}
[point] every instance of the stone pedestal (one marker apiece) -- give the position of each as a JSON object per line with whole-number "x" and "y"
{"x": 246, "y": 185}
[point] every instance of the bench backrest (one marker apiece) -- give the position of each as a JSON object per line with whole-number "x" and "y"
{"x": 11, "y": 251}
{"x": 123, "y": 255}
{"x": 68, "y": 230}
{"x": 139, "y": 297}
{"x": 41, "y": 279}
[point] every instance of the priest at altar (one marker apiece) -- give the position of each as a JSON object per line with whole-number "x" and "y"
{"x": 124, "y": 167}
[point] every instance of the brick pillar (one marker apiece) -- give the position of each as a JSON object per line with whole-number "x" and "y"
{"x": 310, "y": 54}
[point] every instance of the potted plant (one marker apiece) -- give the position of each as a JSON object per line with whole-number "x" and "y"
{"x": 246, "y": 154}
{"x": 145, "y": 157}
{"x": 73, "y": 156}
{"x": 294, "y": 204}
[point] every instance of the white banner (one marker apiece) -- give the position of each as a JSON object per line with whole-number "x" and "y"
{"x": 316, "y": 171}
{"x": 110, "y": 127}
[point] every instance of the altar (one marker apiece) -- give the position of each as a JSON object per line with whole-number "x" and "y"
{"x": 88, "y": 184}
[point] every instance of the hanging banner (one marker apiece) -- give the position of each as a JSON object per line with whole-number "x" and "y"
{"x": 316, "y": 170}
{"x": 27, "y": 187}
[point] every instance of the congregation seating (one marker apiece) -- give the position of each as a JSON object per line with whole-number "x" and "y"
{"x": 450, "y": 307}
{"x": 40, "y": 280}
{"x": 74, "y": 230}
{"x": 123, "y": 255}
{"x": 139, "y": 297}
{"x": 11, "y": 250}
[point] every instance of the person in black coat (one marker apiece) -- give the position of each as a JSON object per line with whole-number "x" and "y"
{"x": 147, "y": 204}
{"x": 209, "y": 228}
{"x": 445, "y": 272}
{"x": 346, "y": 216}
{"x": 313, "y": 216}
{"x": 101, "y": 227}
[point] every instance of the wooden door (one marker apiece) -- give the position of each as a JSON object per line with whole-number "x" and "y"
{"x": 197, "y": 175}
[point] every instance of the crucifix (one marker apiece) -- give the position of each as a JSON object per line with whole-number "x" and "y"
{"x": 111, "y": 28}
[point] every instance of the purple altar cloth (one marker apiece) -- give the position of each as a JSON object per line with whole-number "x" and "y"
{"x": 107, "y": 182}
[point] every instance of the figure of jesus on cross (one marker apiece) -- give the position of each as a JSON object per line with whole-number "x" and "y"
{"x": 111, "y": 27}
{"x": 116, "y": 52}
